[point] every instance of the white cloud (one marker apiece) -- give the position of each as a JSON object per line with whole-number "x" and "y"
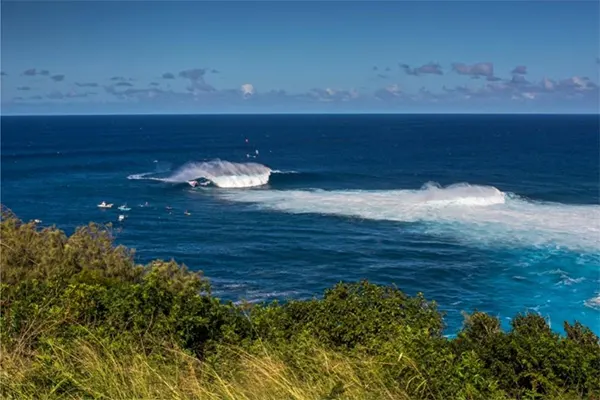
{"x": 247, "y": 90}
{"x": 547, "y": 84}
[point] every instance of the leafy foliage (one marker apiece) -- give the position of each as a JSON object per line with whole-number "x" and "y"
{"x": 80, "y": 318}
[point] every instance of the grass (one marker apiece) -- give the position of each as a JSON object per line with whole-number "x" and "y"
{"x": 92, "y": 369}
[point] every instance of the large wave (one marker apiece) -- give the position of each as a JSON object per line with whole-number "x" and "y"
{"x": 475, "y": 213}
{"x": 223, "y": 174}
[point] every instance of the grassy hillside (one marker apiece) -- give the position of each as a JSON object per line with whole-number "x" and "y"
{"x": 80, "y": 319}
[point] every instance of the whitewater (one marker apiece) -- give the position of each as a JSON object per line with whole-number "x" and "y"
{"x": 481, "y": 214}
{"x": 476, "y": 213}
{"x": 223, "y": 174}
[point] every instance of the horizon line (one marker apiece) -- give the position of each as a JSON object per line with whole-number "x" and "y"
{"x": 293, "y": 113}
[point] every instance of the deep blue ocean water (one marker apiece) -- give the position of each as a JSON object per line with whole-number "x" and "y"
{"x": 496, "y": 213}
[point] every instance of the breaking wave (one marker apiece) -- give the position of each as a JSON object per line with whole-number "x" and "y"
{"x": 223, "y": 174}
{"x": 473, "y": 212}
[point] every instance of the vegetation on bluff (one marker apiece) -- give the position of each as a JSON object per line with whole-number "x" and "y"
{"x": 80, "y": 319}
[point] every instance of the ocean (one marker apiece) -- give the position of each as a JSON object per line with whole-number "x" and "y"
{"x": 499, "y": 213}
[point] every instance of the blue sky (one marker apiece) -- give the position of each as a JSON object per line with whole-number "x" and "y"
{"x": 213, "y": 57}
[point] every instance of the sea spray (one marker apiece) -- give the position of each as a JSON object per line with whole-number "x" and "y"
{"x": 223, "y": 174}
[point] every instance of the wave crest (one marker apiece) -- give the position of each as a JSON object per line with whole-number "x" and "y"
{"x": 434, "y": 194}
{"x": 223, "y": 174}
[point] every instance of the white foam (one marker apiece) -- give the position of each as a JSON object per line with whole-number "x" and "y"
{"x": 139, "y": 176}
{"x": 594, "y": 302}
{"x": 471, "y": 212}
{"x": 223, "y": 174}
{"x": 240, "y": 181}
{"x": 259, "y": 297}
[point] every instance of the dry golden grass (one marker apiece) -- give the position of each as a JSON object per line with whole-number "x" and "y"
{"x": 90, "y": 369}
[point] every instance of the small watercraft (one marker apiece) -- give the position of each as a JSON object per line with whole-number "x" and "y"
{"x": 124, "y": 207}
{"x": 37, "y": 221}
{"x": 105, "y": 205}
{"x": 121, "y": 218}
{"x": 168, "y": 208}
{"x": 187, "y": 212}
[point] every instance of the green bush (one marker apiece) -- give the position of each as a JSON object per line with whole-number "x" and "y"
{"x": 60, "y": 294}
{"x": 349, "y": 316}
{"x": 532, "y": 361}
{"x": 53, "y": 285}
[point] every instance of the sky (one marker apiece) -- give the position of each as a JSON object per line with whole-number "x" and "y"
{"x": 93, "y": 57}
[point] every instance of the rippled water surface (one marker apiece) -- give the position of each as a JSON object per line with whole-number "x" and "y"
{"x": 498, "y": 213}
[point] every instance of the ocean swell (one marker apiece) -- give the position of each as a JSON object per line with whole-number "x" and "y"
{"x": 223, "y": 174}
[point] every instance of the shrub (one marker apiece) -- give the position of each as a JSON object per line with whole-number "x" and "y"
{"x": 79, "y": 318}
{"x": 53, "y": 285}
{"x": 349, "y": 316}
{"x": 531, "y": 361}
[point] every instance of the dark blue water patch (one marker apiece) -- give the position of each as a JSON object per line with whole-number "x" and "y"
{"x": 59, "y": 168}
